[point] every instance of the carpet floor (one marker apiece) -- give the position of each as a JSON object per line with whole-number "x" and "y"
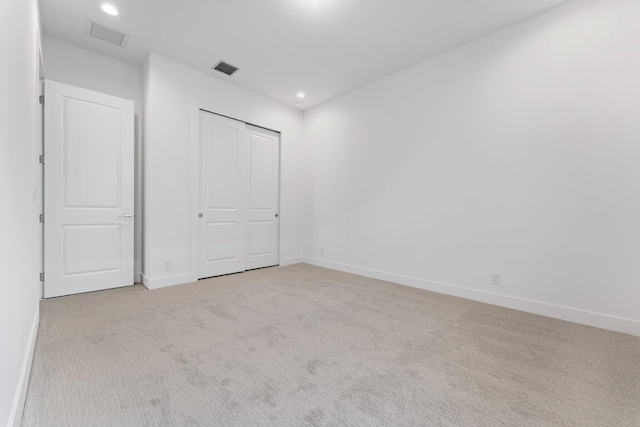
{"x": 302, "y": 345}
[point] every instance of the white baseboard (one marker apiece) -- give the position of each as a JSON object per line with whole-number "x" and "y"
{"x": 293, "y": 260}
{"x": 15, "y": 417}
{"x": 144, "y": 280}
{"x": 164, "y": 282}
{"x": 598, "y": 320}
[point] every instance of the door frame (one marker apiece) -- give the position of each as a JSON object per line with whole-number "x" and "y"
{"x": 39, "y": 190}
{"x": 196, "y": 108}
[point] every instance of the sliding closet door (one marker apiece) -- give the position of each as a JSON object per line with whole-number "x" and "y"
{"x": 262, "y": 246}
{"x": 223, "y": 195}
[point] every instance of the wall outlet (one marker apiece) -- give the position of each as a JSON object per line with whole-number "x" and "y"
{"x": 167, "y": 265}
{"x": 322, "y": 251}
{"x": 495, "y": 278}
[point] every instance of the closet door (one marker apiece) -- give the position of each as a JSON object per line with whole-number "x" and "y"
{"x": 263, "y": 224}
{"x": 223, "y": 195}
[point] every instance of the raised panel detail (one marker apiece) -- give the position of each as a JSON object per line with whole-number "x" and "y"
{"x": 221, "y": 166}
{"x": 91, "y": 248}
{"x": 261, "y": 236}
{"x": 221, "y": 241}
{"x": 91, "y": 154}
{"x": 262, "y": 151}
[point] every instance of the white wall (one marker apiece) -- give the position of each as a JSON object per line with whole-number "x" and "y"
{"x": 518, "y": 154}
{"x": 19, "y": 25}
{"x": 173, "y": 95}
{"x": 79, "y": 67}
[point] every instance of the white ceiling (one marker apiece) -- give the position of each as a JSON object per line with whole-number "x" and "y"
{"x": 323, "y": 47}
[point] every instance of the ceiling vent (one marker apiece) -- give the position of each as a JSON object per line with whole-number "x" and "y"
{"x": 223, "y": 67}
{"x": 101, "y": 32}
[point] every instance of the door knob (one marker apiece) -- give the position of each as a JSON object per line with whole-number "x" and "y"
{"x": 127, "y": 216}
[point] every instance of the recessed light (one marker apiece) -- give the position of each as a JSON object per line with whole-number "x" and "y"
{"x": 107, "y": 8}
{"x": 301, "y": 95}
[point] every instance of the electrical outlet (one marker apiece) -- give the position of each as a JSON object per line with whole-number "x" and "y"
{"x": 167, "y": 265}
{"x": 495, "y": 278}
{"x": 322, "y": 251}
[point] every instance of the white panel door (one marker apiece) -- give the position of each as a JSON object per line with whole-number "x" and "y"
{"x": 89, "y": 183}
{"x": 264, "y": 198}
{"x": 223, "y": 196}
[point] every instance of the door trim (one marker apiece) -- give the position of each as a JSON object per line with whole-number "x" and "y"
{"x": 40, "y": 172}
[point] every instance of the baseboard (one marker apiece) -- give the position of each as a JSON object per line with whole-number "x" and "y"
{"x": 598, "y": 320}
{"x": 15, "y": 417}
{"x": 293, "y": 260}
{"x": 164, "y": 282}
{"x": 144, "y": 280}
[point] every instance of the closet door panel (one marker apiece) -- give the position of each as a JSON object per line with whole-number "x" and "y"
{"x": 223, "y": 195}
{"x": 264, "y": 198}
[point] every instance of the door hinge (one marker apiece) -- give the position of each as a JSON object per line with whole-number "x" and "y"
{"x": 41, "y": 99}
{"x": 41, "y": 217}
{"x": 42, "y": 277}
{"x": 41, "y": 158}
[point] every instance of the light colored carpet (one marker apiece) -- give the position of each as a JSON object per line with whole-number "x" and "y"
{"x": 302, "y": 345}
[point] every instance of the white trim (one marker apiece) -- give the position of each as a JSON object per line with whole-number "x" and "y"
{"x": 195, "y": 188}
{"x": 598, "y": 320}
{"x": 144, "y": 280}
{"x": 15, "y": 417}
{"x": 163, "y": 282}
